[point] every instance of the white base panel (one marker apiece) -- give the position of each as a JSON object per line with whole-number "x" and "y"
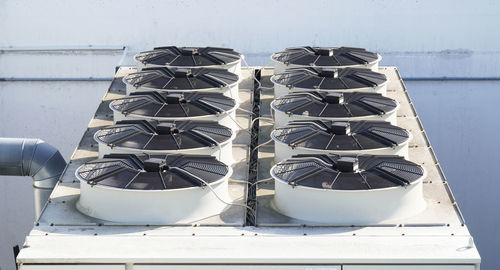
{"x": 248, "y": 267}
{"x": 275, "y": 246}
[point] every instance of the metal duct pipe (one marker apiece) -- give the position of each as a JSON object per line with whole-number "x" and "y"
{"x": 35, "y": 158}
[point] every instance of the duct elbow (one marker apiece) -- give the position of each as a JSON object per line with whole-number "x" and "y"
{"x": 47, "y": 163}
{"x": 35, "y": 158}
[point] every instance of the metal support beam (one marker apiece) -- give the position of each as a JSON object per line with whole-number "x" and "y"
{"x": 451, "y": 78}
{"x": 47, "y": 79}
{"x": 61, "y": 48}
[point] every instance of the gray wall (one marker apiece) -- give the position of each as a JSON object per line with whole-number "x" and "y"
{"x": 55, "y": 112}
{"x": 425, "y": 39}
{"x": 255, "y": 26}
{"x": 461, "y": 120}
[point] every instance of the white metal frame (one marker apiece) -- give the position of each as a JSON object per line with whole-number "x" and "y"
{"x": 435, "y": 239}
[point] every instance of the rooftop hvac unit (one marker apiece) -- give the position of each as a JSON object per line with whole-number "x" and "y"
{"x": 188, "y": 57}
{"x": 158, "y": 198}
{"x": 330, "y": 57}
{"x": 183, "y": 80}
{"x": 333, "y": 106}
{"x": 153, "y": 189}
{"x": 330, "y": 80}
{"x": 340, "y": 137}
{"x": 166, "y": 137}
{"x": 348, "y": 190}
{"x": 175, "y": 106}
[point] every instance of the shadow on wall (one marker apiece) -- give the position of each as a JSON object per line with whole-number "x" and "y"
{"x": 461, "y": 119}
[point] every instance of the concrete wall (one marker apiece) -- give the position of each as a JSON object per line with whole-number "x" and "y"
{"x": 423, "y": 38}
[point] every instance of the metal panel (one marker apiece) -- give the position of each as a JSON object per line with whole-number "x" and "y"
{"x": 437, "y": 236}
{"x": 409, "y": 267}
{"x": 72, "y": 267}
{"x": 238, "y": 267}
{"x": 275, "y": 247}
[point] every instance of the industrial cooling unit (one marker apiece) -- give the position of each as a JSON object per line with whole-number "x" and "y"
{"x": 194, "y": 162}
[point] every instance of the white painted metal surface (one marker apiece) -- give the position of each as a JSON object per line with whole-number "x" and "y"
{"x": 283, "y": 151}
{"x": 410, "y": 267}
{"x": 250, "y": 267}
{"x": 281, "y": 90}
{"x": 74, "y": 267}
{"x": 348, "y": 207}
{"x": 238, "y": 267}
{"x": 186, "y": 205}
{"x": 231, "y": 247}
{"x": 425, "y": 239}
{"x": 282, "y": 118}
